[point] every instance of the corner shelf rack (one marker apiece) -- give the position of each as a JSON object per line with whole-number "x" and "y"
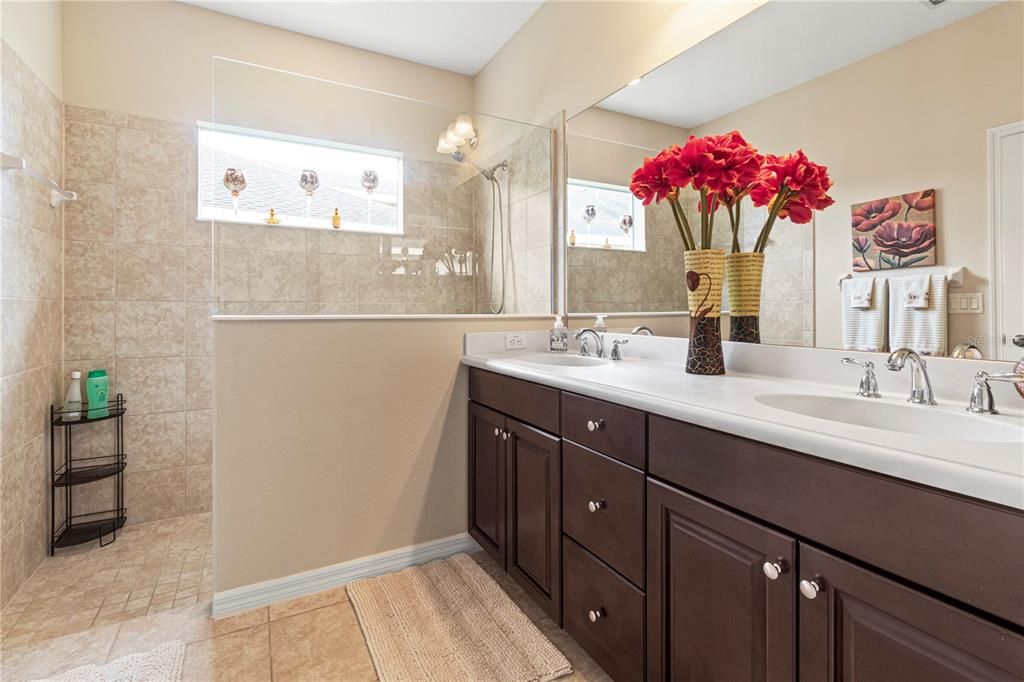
{"x": 68, "y": 471}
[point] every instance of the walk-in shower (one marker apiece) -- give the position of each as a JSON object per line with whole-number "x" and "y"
{"x": 497, "y": 225}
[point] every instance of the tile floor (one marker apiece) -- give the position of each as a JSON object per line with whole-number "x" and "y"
{"x": 312, "y": 638}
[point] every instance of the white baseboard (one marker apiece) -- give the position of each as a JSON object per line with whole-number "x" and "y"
{"x": 239, "y": 599}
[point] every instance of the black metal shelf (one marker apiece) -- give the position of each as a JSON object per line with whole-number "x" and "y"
{"x": 67, "y": 472}
{"x": 89, "y": 474}
{"x": 87, "y": 531}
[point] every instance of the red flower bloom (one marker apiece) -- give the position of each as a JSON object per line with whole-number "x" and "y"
{"x": 694, "y": 164}
{"x": 920, "y": 201}
{"x": 905, "y": 239}
{"x": 807, "y": 184}
{"x": 741, "y": 165}
{"x": 650, "y": 182}
{"x": 873, "y": 213}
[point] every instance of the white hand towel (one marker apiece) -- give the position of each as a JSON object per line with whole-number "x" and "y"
{"x": 864, "y": 328}
{"x": 923, "y": 329}
{"x": 860, "y": 291}
{"x": 916, "y": 291}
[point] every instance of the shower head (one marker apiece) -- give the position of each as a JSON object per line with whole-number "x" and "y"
{"x": 486, "y": 172}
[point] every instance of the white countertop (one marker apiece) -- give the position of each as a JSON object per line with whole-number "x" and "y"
{"x": 992, "y": 471}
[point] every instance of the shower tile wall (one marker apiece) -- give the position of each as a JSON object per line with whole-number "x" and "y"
{"x": 601, "y": 281}
{"x": 526, "y": 198}
{"x": 30, "y": 308}
{"x": 137, "y": 303}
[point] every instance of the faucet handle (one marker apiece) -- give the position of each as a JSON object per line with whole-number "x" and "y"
{"x": 616, "y": 353}
{"x": 982, "y": 401}
{"x": 868, "y": 382}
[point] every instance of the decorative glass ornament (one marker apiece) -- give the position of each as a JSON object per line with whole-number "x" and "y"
{"x": 234, "y": 180}
{"x": 626, "y": 223}
{"x": 589, "y": 213}
{"x": 370, "y": 181}
{"x": 309, "y": 181}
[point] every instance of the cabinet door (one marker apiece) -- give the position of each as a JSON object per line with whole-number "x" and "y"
{"x": 535, "y": 514}
{"x": 487, "y": 480}
{"x": 713, "y": 614}
{"x": 857, "y": 626}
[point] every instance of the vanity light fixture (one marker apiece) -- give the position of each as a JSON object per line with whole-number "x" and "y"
{"x": 457, "y": 134}
{"x": 635, "y": 81}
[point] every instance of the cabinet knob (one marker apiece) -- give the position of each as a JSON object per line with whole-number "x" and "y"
{"x": 595, "y": 616}
{"x": 811, "y": 588}
{"x": 497, "y": 432}
{"x": 504, "y": 435}
{"x": 596, "y": 505}
{"x": 595, "y": 425}
{"x": 773, "y": 569}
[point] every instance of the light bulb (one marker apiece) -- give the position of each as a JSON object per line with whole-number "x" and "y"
{"x": 443, "y": 146}
{"x": 452, "y": 137}
{"x": 464, "y": 127}
{"x": 635, "y": 81}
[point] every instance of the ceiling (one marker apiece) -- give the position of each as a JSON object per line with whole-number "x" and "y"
{"x": 456, "y": 36}
{"x": 776, "y": 47}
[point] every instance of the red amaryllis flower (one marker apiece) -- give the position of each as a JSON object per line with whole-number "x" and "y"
{"x": 807, "y": 182}
{"x": 741, "y": 165}
{"x": 694, "y": 164}
{"x": 920, "y": 201}
{"x": 905, "y": 239}
{"x": 650, "y": 182}
{"x": 871, "y": 214}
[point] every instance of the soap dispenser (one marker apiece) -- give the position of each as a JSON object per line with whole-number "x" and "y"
{"x": 599, "y": 326}
{"x": 558, "y": 338}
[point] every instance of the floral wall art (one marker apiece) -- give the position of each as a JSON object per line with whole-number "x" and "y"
{"x": 894, "y": 232}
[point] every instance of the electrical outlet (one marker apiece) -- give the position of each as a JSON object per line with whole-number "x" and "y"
{"x": 514, "y": 341}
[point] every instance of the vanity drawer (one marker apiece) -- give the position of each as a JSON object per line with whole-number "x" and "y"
{"x": 603, "y": 509}
{"x": 615, "y": 639}
{"x": 526, "y": 401}
{"x": 619, "y": 432}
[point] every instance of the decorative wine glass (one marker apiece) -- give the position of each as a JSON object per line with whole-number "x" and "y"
{"x": 309, "y": 181}
{"x": 234, "y": 180}
{"x": 370, "y": 181}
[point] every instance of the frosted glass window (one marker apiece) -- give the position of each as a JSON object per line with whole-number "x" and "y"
{"x": 603, "y": 216}
{"x": 273, "y": 164}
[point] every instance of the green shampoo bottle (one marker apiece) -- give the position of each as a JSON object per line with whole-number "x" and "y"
{"x": 97, "y": 388}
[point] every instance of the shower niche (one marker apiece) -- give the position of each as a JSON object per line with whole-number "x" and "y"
{"x": 374, "y": 213}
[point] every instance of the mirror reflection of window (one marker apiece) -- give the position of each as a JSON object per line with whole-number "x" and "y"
{"x": 615, "y": 221}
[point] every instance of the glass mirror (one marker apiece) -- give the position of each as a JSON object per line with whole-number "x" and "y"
{"x": 916, "y": 110}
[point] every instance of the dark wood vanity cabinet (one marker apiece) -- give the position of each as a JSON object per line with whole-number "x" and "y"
{"x": 674, "y": 552}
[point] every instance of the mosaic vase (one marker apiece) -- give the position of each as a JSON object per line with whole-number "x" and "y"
{"x": 704, "y": 270}
{"x": 743, "y": 272}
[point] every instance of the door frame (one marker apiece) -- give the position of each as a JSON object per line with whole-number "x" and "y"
{"x": 995, "y": 137}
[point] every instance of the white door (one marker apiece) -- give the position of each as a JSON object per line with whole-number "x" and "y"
{"x": 1006, "y": 158}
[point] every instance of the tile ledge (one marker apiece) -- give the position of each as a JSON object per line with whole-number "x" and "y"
{"x": 452, "y": 317}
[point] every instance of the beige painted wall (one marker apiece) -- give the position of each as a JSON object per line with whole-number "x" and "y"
{"x": 33, "y": 31}
{"x": 154, "y": 59}
{"x": 942, "y": 91}
{"x": 571, "y": 55}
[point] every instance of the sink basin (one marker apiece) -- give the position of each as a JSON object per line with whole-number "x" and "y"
{"x": 561, "y": 360}
{"x": 913, "y": 419}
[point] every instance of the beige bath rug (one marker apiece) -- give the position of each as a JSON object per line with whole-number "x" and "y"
{"x": 162, "y": 664}
{"x": 449, "y": 621}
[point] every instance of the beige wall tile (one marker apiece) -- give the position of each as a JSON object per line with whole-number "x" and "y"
{"x": 89, "y": 329}
{"x": 150, "y": 329}
{"x": 198, "y": 489}
{"x": 279, "y": 277}
{"x": 31, "y": 263}
{"x": 86, "y": 115}
{"x": 153, "y": 495}
{"x": 150, "y": 158}
{"x": 91, "y": 217}
{"x": 338, "y": 278}
{"x": 199, "y": 328}
{"x": 199, "y": 382}
{"x": 24, "y": 344}
{"x": 150, "y": 272}
{"x": 89, "y": 270}
{"x": 153, "y": 216}
{"x": 152, "y": 384}
{"x": 26, "y": 201}
{"x": 89, "y": 152}
{"x": 155, "y": 441}
{"x": 232, "y": 275}
{"x": 198, "y": 274}
{"x": 199, "y": 437}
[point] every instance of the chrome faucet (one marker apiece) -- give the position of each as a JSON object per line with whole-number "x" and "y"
{"x": 982, "y": 401}
{"x": 642, "y": 330}
{"x": 584, "y": 348}
{"x": 919, "y": 372}
{"x": 868, "y": 382}
{"x": 616, "y": 354}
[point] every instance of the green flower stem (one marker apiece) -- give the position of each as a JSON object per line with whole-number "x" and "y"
{"x": 704, "y": 236}
{"x": 682, "y": 224}
{"x": 762, "y": 239}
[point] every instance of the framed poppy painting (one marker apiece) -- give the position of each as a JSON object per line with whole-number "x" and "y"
{"x": 894, "y": 232}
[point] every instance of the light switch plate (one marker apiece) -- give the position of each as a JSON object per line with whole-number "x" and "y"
{"x": 967, "y": 303}
{"x": 514, "y": 341}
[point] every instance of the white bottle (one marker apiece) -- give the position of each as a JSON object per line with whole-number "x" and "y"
{"x": 599, "y": 326}
{"x": 73, "y": 400}
{"x": 558, "y": 337}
